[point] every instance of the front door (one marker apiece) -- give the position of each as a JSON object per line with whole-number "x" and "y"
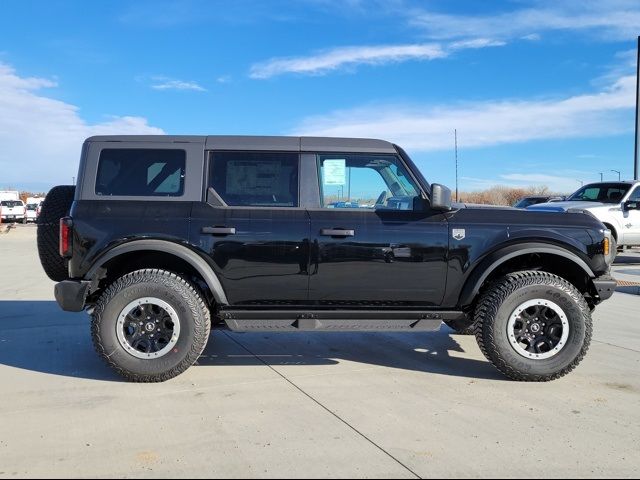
{"x": 371, "y": 247}
{"x": 253, "y": 229}
{"x": 631, "y": 221}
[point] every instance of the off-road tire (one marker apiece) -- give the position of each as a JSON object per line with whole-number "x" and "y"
{"x": 55, "y": 206}
{"x": 192, "y": 311}
{"x": 501, "y": 299}
{"x": 461, "y": 327}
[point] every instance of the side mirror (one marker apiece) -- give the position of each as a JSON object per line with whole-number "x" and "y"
{"x": 440, "y": 197}
{"x": 631, "y": 205}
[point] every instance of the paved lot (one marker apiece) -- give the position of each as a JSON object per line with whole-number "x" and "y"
{"x": 307, "y": 405}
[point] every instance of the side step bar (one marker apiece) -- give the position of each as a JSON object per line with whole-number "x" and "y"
{"x": 335, "y": 321}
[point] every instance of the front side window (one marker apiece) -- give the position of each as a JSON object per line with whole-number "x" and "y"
{"x": 378, "y": 182}
{"x": 139, "y": 172}
{"x": 255, "y": 179}
{"x": 635, "y": 195}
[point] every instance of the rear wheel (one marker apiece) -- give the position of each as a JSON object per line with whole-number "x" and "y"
{"x": 55, "y": 206}
{"x": 533, "y": 326}
{"x": 150, "y": 325}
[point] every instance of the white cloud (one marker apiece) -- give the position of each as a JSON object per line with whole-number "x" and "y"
{"x": 532, "y": 37}
{"x": 566, "y": 181}
{"x": 612, "y": 19}
{"x": 41, "y": 137}
{"x": 344, "y": 57}
{"x": 426, "y": 128}
{"x": 170, "y": 84}
{"x": 556, "y": 183}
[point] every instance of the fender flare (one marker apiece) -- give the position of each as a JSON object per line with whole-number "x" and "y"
{"x": 492, "y": 261}
{"x": 180, "y": 251}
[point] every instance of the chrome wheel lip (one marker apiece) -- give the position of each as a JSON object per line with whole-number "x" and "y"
{"x": 120, "y": 324}
{"x": 515, "y": 316}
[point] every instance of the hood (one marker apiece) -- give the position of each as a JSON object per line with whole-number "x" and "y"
{"x": 564, "y": 206}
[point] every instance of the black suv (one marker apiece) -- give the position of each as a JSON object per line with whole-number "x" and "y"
{"x": 165, "y": 235}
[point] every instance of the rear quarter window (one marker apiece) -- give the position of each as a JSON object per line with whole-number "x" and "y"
{"x": 139, "y": 172}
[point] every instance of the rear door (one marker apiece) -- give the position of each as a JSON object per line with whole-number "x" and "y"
{"x": 371, "y": 246}
{"x": 253, "y": 228}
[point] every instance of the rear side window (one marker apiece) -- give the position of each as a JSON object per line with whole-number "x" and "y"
{"x": 255, "y": 179}
{"x": 141, "y": 172}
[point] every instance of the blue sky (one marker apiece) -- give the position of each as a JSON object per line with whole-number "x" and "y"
{"x": 541, "y": 92}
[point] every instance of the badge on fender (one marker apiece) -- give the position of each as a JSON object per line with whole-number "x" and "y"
{"x": 459, "y": 233}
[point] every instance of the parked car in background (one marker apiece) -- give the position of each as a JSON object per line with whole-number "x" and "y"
{"x": 33, "y": 208}
{"x": 615, "y": 204}
{"x": 32, "y": 212}
{"x": 525, "y": 202}
{"x": 13, "y": 211}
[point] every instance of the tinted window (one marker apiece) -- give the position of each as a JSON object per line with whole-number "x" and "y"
{"x": 141, "y": 172}
{"x": 635, "y": 196}
{"x": 255, "y": 179}
{"x": 12, "y": 203}
{"x": 365, "y": 181}
{"x": 602, "y": 192}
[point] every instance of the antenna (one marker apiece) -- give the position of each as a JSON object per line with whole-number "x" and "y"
{"x": 636, "y": 164}
{"x": 455, "y": 139}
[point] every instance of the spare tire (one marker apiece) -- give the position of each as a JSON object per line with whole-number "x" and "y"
{"x": 55, "y": 206}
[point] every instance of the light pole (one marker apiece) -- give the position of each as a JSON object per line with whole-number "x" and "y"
{"x": 581, "y": 183}
{"x": 601, "y": 174}
{"x": 455, "y": 138}
{"x": 636, "y": 153}
{"x": 617, "y": 173}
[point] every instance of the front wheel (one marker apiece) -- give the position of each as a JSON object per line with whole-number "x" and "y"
{"x": 150, "y": 325}
{"x": 533, "y": 326}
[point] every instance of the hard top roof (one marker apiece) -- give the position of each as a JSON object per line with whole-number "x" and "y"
{"x": 246, "y": 142}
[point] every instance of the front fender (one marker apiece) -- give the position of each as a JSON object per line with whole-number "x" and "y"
{"x": 488, "y": 264}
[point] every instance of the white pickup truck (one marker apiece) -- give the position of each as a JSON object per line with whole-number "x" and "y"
{"x": 615, "y": 204}
{"x": 12, "y": 209}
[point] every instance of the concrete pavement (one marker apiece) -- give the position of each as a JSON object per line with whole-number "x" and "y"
{"x": 305, "y": 405}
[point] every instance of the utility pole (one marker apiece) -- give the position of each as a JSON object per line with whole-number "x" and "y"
{"x": 636, "y": 165}
{"x": 617, "y": 173}
{"x": 601, "y": 174}
{"x": 455, "y": 139}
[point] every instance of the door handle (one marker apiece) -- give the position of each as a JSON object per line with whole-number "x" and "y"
{"x": 337, "y": 232}
{"x": 219, "y": 230}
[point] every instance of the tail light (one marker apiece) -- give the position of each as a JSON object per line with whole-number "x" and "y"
{"x": 66, "y": 237}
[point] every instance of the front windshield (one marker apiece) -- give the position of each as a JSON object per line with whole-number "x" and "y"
{"x": 601, "y": 192}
